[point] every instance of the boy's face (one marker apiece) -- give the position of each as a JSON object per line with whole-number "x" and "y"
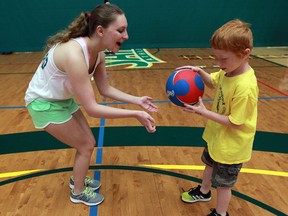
{"x": 230, "y": 61}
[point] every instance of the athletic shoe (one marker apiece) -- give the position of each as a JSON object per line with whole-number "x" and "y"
{"x": 87, "y": 197}
{"x": 214, "y": 213}
{"x": 92, "y": 183}
{"x": 195, "y": 195}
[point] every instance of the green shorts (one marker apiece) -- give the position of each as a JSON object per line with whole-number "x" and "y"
{"x": 45, "y": 112}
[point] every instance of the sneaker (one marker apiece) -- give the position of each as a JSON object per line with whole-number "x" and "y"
{"x": 195, "y": 195}
{"x": 92, "y": 183}
{"x": 214, "y": 213}
{"x": 88, "y": 197}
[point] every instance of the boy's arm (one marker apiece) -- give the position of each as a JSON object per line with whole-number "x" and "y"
{"x": 201, "y": 110}
{"x": 205, "y": 76}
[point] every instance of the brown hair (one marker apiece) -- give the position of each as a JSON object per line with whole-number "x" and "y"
{"x": 233, "y": 36}
{"x": 85, "y": 24}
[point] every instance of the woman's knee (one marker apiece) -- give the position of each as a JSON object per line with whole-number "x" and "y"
{"x": 91, "y": 143}
{"x": 87, "y": 145}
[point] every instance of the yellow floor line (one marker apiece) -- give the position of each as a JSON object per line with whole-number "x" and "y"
{"x": 169, "y": 167}
{"x": 18, "y": 173}
{"x": 193, "y": 167}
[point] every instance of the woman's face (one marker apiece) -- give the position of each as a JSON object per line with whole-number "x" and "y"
{"x": 116, "y": 33}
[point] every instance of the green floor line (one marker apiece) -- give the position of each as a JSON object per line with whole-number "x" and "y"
{"x": 149, "y": 170}
{"x": 135, "y": 136}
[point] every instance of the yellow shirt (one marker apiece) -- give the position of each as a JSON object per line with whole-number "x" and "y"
{"x": 236, "y": 97}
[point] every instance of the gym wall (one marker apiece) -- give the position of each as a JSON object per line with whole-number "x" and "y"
{"x": 26, "y": 24}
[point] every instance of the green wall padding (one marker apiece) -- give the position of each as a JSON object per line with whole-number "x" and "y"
{"x": 26, "y": 24}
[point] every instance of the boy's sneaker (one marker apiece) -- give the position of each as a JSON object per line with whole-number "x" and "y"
{"x": 92, "y": 183}
{"x": 195, "y": 195}
{"x": 88, "y": 197}
{"x": 214, "y": 213}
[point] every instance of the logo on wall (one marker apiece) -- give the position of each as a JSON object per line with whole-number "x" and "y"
{"x": 134, "y": 58}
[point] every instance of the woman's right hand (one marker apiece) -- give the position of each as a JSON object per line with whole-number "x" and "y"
{"x": 146, "y": 120}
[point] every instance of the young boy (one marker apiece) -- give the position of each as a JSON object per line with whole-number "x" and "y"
{"x": 231, "y": 125}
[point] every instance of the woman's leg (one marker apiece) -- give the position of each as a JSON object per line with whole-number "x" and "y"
{"x": 77, "y": 134}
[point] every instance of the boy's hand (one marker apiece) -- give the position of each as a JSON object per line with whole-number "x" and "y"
{"x": 194, "y": 68}
{"x": 200, "y": 109}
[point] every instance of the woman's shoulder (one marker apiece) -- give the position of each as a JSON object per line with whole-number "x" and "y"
{"x": 67, "y": 52}
{"x": 69, "y": 48}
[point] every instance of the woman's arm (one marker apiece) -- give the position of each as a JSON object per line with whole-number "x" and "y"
{"x": 77, "y": 72}
{"x": 105, "y": 89}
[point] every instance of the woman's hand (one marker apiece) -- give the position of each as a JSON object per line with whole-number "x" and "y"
{"x": 146, "y": 120}
{"x": 145, "y": 103}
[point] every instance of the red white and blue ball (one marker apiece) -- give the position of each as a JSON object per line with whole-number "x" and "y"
{"x": 184, "y": 86}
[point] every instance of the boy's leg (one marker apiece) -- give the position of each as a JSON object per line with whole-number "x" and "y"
{"x": 208, "y": 171}
{"x": 223, "y": 199}
{"x": 224, "y": 177}
{"x": 206, "y": 181}
{"x": 201, "y": 192}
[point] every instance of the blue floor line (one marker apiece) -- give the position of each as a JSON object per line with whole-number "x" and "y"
{"x": 154, "y": 101}
{"x": 97, "y": 174}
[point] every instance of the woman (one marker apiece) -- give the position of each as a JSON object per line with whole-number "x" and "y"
{"x": 73, "y": 57}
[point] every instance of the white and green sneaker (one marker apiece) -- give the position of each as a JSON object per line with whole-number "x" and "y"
{"x": 87, "y": 197}
{"x": 92, "y": 183}
{"x": 195, "y": 195}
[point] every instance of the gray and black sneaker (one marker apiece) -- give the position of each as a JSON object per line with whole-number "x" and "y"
{"x": 92, "y": 183}
{"x": 87, "y": 197}
{"x": 195, "y": 195}
{"x": 214, "y": 213}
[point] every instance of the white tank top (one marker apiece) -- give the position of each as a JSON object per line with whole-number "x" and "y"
{"x": 50, "y": 83}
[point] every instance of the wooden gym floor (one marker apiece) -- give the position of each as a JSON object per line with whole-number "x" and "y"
{"x": 142, "y": 174}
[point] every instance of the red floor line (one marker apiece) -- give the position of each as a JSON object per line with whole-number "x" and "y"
{"x": 280, "y": 92}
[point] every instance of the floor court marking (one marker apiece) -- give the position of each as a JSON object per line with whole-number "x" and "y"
{"x": 193, "y": 167}
{"x": 149, "y": 170}
{"x": 156, "y": 101}
{"x": 19, "y": 173}
{"x": 168, "y": 167}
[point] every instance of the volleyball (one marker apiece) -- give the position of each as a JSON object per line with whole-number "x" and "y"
{"x": 184, "y": 86}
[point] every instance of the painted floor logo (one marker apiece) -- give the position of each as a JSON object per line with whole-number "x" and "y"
{"x": 134, "y": 58}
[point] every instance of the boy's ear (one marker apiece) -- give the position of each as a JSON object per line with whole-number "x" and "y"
{"x": 247, "y": 51}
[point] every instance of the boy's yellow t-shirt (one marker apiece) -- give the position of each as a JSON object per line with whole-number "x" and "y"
{"x": 236, "y": 97}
